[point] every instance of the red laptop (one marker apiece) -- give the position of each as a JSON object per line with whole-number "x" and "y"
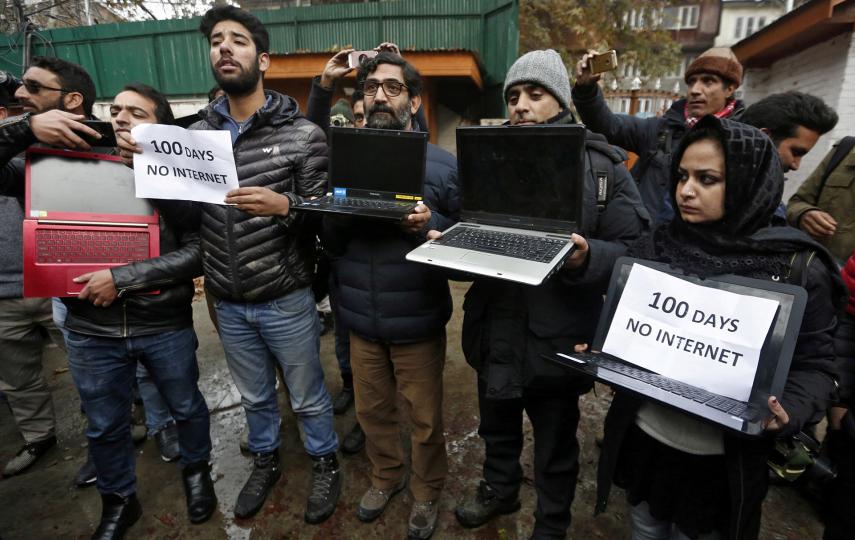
{"x": 81, "y": 215}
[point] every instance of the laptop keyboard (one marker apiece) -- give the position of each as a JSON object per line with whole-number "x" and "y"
{"x": 374, "y": 204}
{"x": 699, "y": 395}
{"x": 519, "y": 246}
{"x": 69, "y": 246}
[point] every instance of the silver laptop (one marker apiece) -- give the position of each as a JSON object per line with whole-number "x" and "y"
{"x": 521, "y": 200}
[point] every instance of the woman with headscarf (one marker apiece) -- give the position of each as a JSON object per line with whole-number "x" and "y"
{"x": 684, "y": 478}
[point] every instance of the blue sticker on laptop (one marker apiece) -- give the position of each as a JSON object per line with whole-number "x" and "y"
{"x": 339, "y": 192}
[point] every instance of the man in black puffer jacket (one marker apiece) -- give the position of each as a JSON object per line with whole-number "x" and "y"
{"x": 396, "y": 312}
{"x": 258, "y": 259}
{"x": 508, "y": 326}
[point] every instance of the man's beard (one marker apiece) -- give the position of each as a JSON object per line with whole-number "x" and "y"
{"x": 59, "y": 105}
{"x": 399, "y": 119}
{"x": 241, "y": 85}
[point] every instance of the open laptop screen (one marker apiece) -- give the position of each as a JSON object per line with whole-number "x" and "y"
{"x": 531, "y": 171}
{"x": 377, "y": 160}
{"x": 777, "y": 350}
{"x": 60, "y": 184}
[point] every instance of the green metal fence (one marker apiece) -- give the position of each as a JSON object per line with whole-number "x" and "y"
{"x": 173, "y": 56}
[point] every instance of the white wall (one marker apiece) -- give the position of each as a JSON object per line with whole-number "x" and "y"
{"x": 729, "y": 13}
{"x": 826, "y": 70}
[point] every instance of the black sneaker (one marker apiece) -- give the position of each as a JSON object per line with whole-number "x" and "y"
{"x": 167, "y": 443}
{"x": 27, "y": 455}
{"x": 354, "y": 441}
{"x": 87, "y": 475}
{"x": 343, "y": 400}
{"x": 325, "y": 488}
{"x": 265, "y": 473}
{"x": 484, "y": 506}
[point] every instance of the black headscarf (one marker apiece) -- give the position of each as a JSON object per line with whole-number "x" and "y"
{"x": 743, "y": 241}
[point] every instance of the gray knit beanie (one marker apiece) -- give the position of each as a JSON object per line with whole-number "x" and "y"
{"x": 544, "y": 68}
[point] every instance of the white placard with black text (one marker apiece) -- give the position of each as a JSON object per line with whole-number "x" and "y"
{"x": 702, "y": 336}
{"x": 177, "y": 163}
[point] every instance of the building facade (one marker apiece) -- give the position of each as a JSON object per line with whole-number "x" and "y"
{"x": 810, "y": 49}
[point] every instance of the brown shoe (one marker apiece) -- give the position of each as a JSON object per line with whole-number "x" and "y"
{"x": 374, "y": 501}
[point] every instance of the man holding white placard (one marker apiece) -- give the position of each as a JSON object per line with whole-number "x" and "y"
{"x": 258, "y": 258}
{"x": 112, "y": 327}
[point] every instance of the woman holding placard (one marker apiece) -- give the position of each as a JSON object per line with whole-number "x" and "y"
{"x": 684, "y": 478}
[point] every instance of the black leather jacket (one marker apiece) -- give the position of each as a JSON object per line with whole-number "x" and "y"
{"x": 132, "y": 314}
{"x": 249, "y": 258}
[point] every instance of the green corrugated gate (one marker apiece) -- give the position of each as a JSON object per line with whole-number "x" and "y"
{"x": 172, "y": 55}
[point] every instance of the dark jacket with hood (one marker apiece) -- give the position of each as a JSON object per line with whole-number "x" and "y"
{"x": 652, "y": 139}
{"x": 250, "y": 258}
{"x": 744, "y": 243}
{"x": 132, "y": 314}
{"x": 507, "y": 326}
{"x": 382, "y": 296}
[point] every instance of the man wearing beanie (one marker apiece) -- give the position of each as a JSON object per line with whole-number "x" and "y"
{"x": 711, "y": 78}
{"x": 507, "y": 326}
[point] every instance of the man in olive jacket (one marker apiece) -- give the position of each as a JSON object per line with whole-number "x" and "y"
{"x": 827, "y": 211}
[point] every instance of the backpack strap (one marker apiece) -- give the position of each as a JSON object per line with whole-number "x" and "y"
{"x": 843, "y": 148}
{"x": 603, "y": 171}
{"x": 799, "y": 264}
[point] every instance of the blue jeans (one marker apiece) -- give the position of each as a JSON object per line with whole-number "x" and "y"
{"x": 157, "y": 415}
{"x": 104, "y": 370}
{"x": 285, "y": 330}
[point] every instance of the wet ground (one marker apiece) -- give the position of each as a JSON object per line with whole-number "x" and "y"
{"x": 43, "y": 504}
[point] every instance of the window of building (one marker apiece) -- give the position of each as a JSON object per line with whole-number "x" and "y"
{"x": 689, "y": 16}
{"x": 645, "y": 105}
{"x": 682, "y": 17}
{"x": 749, "y": 26}
{"x": 624, "y": 105}
{"x": 737, "y": 33}
{"x": 761, "y": 22}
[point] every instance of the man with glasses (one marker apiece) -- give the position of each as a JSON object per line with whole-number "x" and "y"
{"x": 56, "y": 96}
{"x": 396, "y": 312}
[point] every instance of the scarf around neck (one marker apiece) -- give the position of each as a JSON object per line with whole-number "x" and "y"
{"x": 728, "y": 109}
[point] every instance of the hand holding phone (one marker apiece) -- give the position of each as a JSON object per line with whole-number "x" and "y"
{"x": 105, "y": 129}
{"x": 602, "y": 62}
{"x": 357, "y": 58}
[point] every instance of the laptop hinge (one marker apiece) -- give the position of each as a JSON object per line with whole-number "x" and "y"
{"x": 96, "y": 223}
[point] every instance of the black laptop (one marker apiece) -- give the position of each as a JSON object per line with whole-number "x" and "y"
{"x": 774, "y": 363}
{"x": 375, "y": 173}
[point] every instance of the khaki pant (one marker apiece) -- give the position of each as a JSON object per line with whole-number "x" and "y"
{"x": 25, "y": 324}
{"x": 382, "y": 371}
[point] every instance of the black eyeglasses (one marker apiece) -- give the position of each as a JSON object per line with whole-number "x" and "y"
{"x": 391, "y": 87}
{"x": 34, "y": 87}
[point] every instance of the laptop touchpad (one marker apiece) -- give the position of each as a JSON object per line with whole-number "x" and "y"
{"x": 479, "y": 259}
